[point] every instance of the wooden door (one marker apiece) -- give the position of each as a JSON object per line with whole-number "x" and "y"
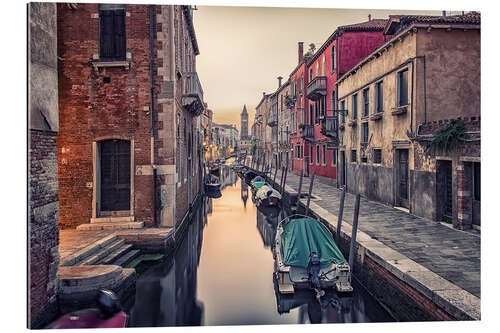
{"x": 115, "y": 175}
{"x": 402, "y": 193}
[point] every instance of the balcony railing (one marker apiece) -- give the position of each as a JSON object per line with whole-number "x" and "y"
{"x": 316, "y": 88}
{"x": 272, "y": 117}
{"x": 307, "y": 132}
{"x": 329, "y": 126}
{"x": 192, "y": 93}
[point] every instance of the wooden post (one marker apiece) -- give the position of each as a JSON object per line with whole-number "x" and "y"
{"x": 341, "y": 213}
{"x": 310, "y": 191}
{"x": 354, "y": 232}
{"x": 281, "y": 180}
{"x": 264, "y": 164}
{"x": 275, "y": 172}
{"x": 300, "y": 186}
{"x": 284, "y": 182}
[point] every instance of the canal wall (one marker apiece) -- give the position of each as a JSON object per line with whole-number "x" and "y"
{"x": 408, "y": 290}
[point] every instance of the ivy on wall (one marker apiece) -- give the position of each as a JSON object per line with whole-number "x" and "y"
{"x": 448, "y": 137}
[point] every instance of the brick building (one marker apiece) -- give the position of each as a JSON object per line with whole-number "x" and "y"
{"x": 43, "y": 124}
{"x": 398, "y": 100}
{"x": 129, "y": 99}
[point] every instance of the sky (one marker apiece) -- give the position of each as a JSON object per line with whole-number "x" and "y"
{"x": 244, "y": 49}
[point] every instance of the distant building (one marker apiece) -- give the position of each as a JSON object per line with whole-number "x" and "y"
{"x": 226, "y": 138}
{"x": 245, "y": 140}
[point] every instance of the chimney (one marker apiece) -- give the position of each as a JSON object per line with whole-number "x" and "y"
{"x": 444, "y": 12}
{"x": 264, "y": 94}
{"x": 301, "y": 51}
{"x": 279, "y": 81}
{"x": 369, "y": 17}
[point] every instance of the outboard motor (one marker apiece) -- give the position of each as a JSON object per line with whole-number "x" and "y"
{"x": 313, "y": 267}
{"x": 108, "y": 303}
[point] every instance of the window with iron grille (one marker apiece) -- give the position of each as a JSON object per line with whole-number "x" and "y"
{"x": 379, "y": 98}
{"x": 366, "y": 102}
{"x": 377, "y": 155}
{"x": 364, "y": 132}
{"x": 354, "y": 157}
{"x": 403, "y": 87}
{"x": 324, "y": 154}
{"x": 112, "y": 46}
{"x": 311, "y": 154}
{"x": 355, "y": 106}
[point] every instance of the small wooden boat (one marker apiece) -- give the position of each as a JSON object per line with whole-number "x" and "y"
{"x": 249, "y": 175}
{"x": 306, "y": 257}
{"x": 108, "y": 314}
{"x": 266, "y": 196}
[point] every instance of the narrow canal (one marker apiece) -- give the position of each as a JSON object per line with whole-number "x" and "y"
{"x": 222, "y": 274}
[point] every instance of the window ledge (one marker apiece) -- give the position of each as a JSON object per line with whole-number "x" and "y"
{"x": 399, "y": 110}
{"x": 122, "y": 63}
{"x": 376, "y": 116}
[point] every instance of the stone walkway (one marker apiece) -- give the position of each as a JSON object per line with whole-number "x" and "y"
{"x": 452, "y": 254}
{"x": 72, "y": 240}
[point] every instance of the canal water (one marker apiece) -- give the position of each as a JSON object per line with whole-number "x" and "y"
{"x": 222, "y": 274}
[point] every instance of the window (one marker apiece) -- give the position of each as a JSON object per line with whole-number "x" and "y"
{"x": 333, "y": 58}
{"x": 333, "y": 101}
{"x": 311, "y": 154}
{"x": 366, "y": 102}
{"x": 403, "y": 87}
{"x": 379, "y": 97}
{"x": 311, "y": 114}
{"x": 323, "y": 66}
{"x": 476, "y": 182}
{"x": 112, "y": 32}
{"x": 323, "y": 106}
{"x": 377, "y": 155}
{"x": 354, "y": 106}
{"x": 316, "y": 111}
{"x": 317, "y": 154}
{"x": 334, "y": 157}
{"x": 324, "y": 154}
{"x": 310, "y": 74}
{"x": 317, "y": 68}
{"x": 364, "y": 132}
{"x": 354, "y": 158}
{"x": 342, "y": 113}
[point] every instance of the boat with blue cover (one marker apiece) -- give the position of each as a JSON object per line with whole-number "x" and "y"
{"x": 307, "y": 257}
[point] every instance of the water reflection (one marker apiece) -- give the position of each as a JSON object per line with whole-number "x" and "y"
{"x": 222, "y": 274}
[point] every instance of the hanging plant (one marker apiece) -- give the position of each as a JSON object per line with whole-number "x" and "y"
{"x": 289, "y": 101}
{"x": 448, "y": 137}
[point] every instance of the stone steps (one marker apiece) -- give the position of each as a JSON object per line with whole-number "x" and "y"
{"x": 88, "y": 251}
{"x": 112, "y": 219}
{"x": 113, "y": 256}
{"x": 127, "y": 258}
{"x": 102, "y": 253}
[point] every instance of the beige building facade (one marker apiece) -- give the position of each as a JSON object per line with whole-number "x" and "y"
{"x": 424, "y": 81}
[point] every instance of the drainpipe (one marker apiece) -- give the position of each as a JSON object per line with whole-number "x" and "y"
{"x": 152, "y": 108}
{"x": 412, "y": 84}
{"x": 172, "y": 79}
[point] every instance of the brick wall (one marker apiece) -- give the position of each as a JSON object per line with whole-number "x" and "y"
{"x": 91, "y": 110}
{"x": 43, "y": 232}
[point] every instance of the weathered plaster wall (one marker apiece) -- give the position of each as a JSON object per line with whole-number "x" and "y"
{"x": 43, "y": 201}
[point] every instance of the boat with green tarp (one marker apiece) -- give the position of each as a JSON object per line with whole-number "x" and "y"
{"x": 306, "y": 256}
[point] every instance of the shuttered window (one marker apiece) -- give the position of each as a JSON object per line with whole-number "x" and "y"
{"x": 112, "y": 45}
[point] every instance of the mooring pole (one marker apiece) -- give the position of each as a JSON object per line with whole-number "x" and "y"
{"x": 300, "y": 187}
{"x": 284, "y": 182}
{"x": 281, "y": 179}
{"x": 309, "y": 195}
{"x": 354, "y": 232}
{"x": 275, "y": 172}
{"x": 264, "y": 164}
{"x": 341, "y": 213}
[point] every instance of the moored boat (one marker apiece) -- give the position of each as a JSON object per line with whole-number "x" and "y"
{"x": 266, "y": 196}
{"x": 306, "y": 257}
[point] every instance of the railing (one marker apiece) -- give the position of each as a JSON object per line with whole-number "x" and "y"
{"x": 316, "y": 88}
{"x": 329, "y": 126}
{"x": 272, "y": 117}
{"x": 192, "y": 93}
{"x": 307, "y": 131}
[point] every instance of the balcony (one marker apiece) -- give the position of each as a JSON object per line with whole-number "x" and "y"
{"x": 192, "y": 93}
{"x": 308, "y": 132}
{"x": 316, "y": 88}
{"x": 272, "y": 118}
{"x": 329, "y": 127}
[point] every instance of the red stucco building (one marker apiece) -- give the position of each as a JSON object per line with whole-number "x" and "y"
{"x": 315, "y": 77}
